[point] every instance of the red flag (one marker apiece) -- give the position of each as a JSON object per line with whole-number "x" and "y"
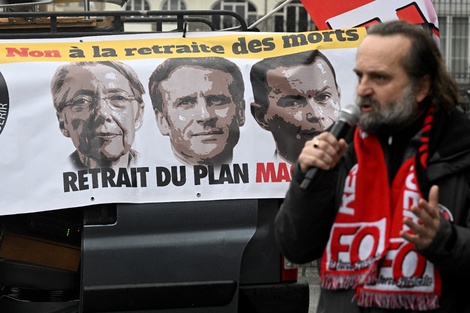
{"x": 321, "y": 11}
{"x": 355, "y": 13}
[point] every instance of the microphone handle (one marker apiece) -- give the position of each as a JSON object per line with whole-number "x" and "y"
{"x": 312, "y": 172}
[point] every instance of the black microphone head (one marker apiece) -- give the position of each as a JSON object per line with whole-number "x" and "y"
{"x": 349, "y": 114}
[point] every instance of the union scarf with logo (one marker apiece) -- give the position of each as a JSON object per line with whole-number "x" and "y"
{"x": 365, "y": 251}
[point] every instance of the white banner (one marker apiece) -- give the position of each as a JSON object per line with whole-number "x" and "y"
{"x": 161, "y": 117}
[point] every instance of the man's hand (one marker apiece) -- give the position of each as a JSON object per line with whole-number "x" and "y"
{"x": 424, "y": 231}
{"x": 323, "y": 151}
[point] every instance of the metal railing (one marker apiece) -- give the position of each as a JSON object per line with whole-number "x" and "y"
{"x": 85, "y": 23}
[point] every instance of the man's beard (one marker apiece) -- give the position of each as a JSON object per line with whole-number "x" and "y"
{"x": 394, "y": 116}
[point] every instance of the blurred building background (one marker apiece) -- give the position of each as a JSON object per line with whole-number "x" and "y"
{"x": 290, "y": 16}
{"x": 454, "y": 36}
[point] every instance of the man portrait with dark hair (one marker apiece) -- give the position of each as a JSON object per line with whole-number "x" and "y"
{"x": 199, "y": 103}
{"x": 296, "y": 97}
{"x": 99, "y": 105}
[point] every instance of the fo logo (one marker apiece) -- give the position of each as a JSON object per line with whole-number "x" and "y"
{"x": 4, "y": 103}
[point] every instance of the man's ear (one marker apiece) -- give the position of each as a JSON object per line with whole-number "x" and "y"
{"x": 258, "y": 115}
{"x": 162, "y": 124}
{"x": 423, "y": 88}
{"x": 241, "y": 114}
{"x": 61, "y": 118}
{"x": 139, "y": 117}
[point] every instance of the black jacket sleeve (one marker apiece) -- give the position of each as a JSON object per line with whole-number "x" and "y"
{"x": 450, "y": 249}
{"x": 305, "y": 218}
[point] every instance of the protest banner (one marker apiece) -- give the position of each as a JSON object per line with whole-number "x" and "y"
{"x": 51, "y": 91}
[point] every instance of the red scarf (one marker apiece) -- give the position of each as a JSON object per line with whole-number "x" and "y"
{"x": 365, "y": 251}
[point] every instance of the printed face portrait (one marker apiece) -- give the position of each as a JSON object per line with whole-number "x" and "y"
{"x": 301, "y": 101}
{"x": 100, "y": 112}
{"x": 200, "y": 114}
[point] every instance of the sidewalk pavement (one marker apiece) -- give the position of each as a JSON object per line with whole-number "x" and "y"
{"x": 309, "y": 272}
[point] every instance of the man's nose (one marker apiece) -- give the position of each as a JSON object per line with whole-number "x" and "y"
{"x": 364, "y": 87}
{"x": 314, "y": 112}
{"x": 201, "y": 109}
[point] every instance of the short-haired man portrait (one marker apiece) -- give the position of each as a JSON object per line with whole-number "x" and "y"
{"x": 199, "y": 103}
{"x": 100, "y": 107}
{"x": 296, "y": 97}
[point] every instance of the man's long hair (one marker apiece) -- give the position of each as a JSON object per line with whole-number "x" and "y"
{"x": 423, "y": 59}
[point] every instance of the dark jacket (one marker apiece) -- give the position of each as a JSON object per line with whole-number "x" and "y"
{"x": 306, "y": 216}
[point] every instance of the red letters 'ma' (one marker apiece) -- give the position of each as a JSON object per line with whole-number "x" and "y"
{"x": 267, "y": 172}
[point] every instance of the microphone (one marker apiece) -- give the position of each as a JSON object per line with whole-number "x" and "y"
{"x": 348, "y": 117}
